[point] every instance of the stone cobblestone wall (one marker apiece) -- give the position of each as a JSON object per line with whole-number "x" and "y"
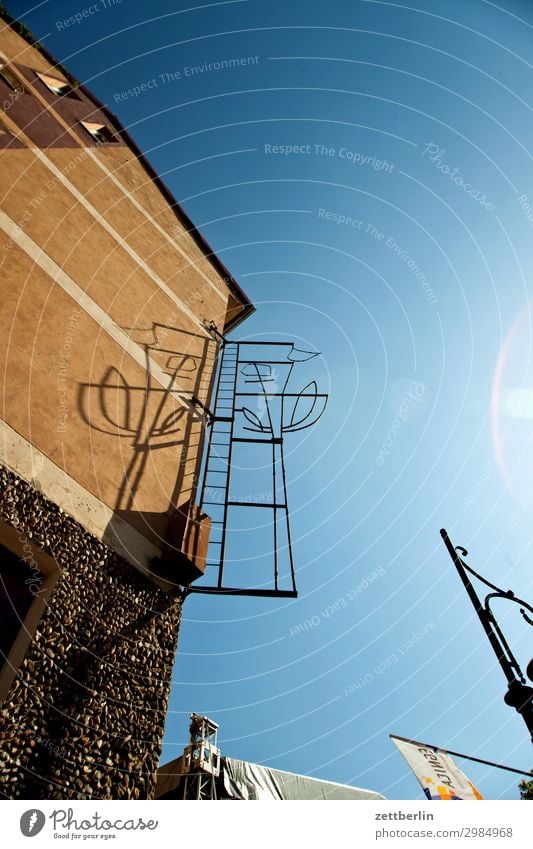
{"x": 85, "y": 715}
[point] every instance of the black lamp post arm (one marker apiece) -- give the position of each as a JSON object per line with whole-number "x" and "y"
{"x": 510, "y": 656}
{"x": 519, "y": 694}
{"x": 493, "y": 632}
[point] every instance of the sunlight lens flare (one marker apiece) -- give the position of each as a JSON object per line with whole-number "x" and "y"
{"x": 512, "y": 407}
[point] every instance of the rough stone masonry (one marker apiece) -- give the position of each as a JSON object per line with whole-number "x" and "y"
{"x": 85, "y": 715}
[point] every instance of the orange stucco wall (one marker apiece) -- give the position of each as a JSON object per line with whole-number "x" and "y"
{"x": 105, "y": 412}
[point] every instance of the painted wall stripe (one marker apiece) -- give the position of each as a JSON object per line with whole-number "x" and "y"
{"x": 101, "y": 221}
{"x": 18, "y": 455}
{"x": 47, "y": 264}
{"x": 155, "y": 224}
{"x": 19, "y": 132}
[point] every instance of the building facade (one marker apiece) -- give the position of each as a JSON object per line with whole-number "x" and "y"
{"x": 112, "y": 305}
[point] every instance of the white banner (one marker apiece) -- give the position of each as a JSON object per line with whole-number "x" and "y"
{"x": 439, "y": 776}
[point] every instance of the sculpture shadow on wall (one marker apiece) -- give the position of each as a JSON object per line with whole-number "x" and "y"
{"x": 158, "y": 421}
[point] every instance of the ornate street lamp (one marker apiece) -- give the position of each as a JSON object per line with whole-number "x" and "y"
{"x": 519, "y": 695}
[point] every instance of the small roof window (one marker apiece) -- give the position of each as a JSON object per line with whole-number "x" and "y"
{"x": 57, "y": 86}
{"x": 100, "y": 132}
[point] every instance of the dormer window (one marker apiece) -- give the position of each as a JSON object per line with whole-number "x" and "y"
{"x": 57, "y": 86}
{"x": 99, "y": 132}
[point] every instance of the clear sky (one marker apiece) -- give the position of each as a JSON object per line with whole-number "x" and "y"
{"x": 414, "y": 122}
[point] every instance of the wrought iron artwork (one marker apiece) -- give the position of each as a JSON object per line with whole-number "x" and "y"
{"x": 519, "y": 695}
{"x": 244, "y": 472}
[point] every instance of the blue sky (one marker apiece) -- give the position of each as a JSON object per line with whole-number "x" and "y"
{"x": 416, "y": 123}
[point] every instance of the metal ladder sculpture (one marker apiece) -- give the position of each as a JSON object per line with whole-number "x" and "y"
{"x": 247, "y": 377}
